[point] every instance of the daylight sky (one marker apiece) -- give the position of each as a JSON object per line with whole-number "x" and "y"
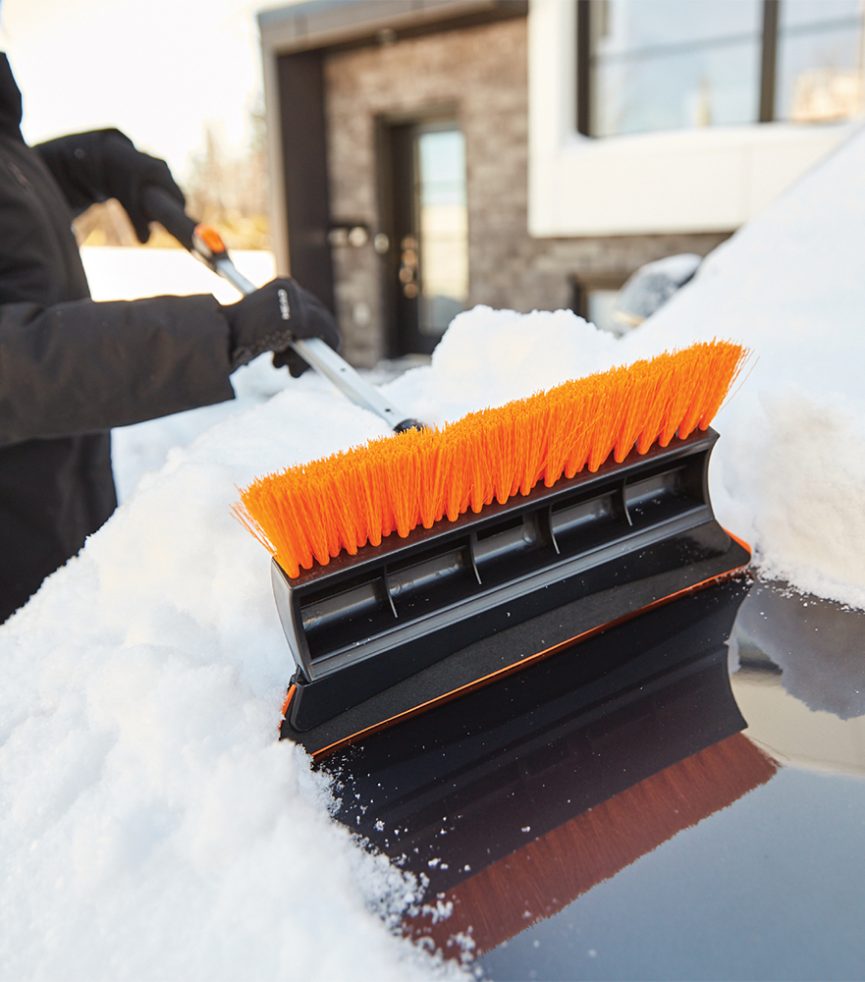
{"x": 161, "y": 70}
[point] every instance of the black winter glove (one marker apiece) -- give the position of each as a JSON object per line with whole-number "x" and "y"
{"x": 102, "y": 164}
{"x": 274, "y": 315}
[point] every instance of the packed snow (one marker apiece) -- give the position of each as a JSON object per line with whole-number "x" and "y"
{"x": 150, "y": 824}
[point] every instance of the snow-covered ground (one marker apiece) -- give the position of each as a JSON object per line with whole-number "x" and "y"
{"x": 150, "y": 824}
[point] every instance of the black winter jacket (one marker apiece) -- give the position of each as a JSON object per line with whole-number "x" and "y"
{"x": 70, "y": 368}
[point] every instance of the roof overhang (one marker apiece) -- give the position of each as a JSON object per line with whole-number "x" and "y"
{"x": 319, "y": 24}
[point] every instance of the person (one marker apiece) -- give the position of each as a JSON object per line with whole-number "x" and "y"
{"x": 72, "y": 368}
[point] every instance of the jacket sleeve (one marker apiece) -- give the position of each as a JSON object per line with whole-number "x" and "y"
{"x": 83, "y": 366}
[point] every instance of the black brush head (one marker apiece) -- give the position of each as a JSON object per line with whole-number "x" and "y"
{"x": 415, "y": 621}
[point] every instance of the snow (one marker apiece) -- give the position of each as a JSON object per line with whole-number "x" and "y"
{"x": 789, "y": 471}
{"x": 150, "y": 824}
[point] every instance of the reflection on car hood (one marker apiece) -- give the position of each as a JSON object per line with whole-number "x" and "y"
{"x": 623, "y": 810}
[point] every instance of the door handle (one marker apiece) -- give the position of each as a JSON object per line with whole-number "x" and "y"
{"x": 408, "y": 266}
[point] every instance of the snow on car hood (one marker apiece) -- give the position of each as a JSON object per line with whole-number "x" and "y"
{"x": 789, "y": 470}
{"x": 151, "y": 825}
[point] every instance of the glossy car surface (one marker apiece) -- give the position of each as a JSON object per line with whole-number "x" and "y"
{"x": 653, "y": 803}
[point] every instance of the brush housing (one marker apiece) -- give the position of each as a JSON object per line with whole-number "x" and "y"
{"x": 380, "y": 634}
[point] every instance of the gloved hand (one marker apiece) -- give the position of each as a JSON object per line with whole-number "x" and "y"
{"x": 127, "y": 172}
{"x": 274, "y": 315}
{"x": 104, "y": 164}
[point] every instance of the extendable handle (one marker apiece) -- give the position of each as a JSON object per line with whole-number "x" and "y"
{"x": 206, "y": 243}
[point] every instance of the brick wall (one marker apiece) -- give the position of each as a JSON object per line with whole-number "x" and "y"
{"x": 482, "y": 73}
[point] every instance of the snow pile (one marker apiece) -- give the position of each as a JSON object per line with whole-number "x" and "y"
{"x": 150, "y": 825}
{"x": 789, "y": 470}
{"x": 490, "y": 356}
{"x": 788, "y": 474}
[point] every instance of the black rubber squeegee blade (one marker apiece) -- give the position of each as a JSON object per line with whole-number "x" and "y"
{"x": 401, "y": 627}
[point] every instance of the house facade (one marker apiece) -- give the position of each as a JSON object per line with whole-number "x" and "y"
{"x": 430, "y": 155}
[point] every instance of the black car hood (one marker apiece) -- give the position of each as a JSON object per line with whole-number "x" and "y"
{"x": 652, "y": 803}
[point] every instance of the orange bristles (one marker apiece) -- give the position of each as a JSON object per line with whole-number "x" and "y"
{"x": 313, "y": 512}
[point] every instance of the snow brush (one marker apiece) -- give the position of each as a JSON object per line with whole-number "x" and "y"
{"x": 206, "y": 244}
{"x": 415, "y": 568}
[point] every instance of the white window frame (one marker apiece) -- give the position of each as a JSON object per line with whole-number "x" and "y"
{"x": 701, "y": 180}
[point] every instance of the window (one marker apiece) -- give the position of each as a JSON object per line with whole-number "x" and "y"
{"x": 699, "y": 162}
{"x": 660, "y": 65}
{"x": 819, "y": 61}
{"x": 442, "y": 227}
{"x": 601, "y": 310}
{"x": 595, "y": 300}
{"x": 673, "y": 64}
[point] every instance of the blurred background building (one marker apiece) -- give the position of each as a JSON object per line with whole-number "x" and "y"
{"x": 429, "y": 155}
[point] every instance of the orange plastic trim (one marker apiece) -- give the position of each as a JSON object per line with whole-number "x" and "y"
{"x": 211, "y": 238}
{"x": 745, "y": 545}
{"x": 289, "y": 696}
